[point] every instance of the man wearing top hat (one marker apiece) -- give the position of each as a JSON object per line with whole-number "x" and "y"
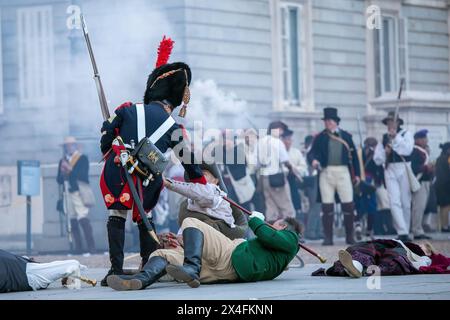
{"x": 423, "y": 169}
{"x": 334, "y": 153}
{"x": 394, "y": 152}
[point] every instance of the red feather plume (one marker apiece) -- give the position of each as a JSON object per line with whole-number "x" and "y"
{"x": 164, "y": 50}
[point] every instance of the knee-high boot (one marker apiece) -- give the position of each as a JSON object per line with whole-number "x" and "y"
{"x": 193, "y": 249}
{"x": 116, "y": 241}
{"x": 154, "y": 269}
{"x": 347, "y": 209}
{"x": 327, "y": 222}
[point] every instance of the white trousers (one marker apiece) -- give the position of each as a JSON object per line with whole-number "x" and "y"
{"x": 397, "y": 185}
{"x": 40, "y": 275}
{"x": 419, "y": 203}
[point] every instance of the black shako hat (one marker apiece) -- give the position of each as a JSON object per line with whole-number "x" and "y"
{"x": 170, "y": 87}
{"x": 330, "y": 113}
{"x": 168, "y": 81}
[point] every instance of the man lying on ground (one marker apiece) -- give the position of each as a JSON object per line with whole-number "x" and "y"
{"x": 392, "y": 257}
{"x": 207, "y": 256}
{"x": 23, "y": 274}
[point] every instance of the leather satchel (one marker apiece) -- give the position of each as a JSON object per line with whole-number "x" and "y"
{"x": 244, "y": 187}
{"x": 86, "y": 194}
{"x": 414, "y": 184}
{"x": 150, "y": 157}
{"x": 277, "y": 180}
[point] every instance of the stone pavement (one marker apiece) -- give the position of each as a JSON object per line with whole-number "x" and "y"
{"x": 294, "y": 284}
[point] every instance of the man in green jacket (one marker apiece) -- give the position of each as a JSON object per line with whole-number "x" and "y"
{"x": 204, "y": 255}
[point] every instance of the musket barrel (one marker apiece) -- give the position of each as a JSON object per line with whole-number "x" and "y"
{"x": 98, "y": 82}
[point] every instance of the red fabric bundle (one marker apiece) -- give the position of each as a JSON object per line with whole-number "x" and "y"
{"x": 439, "y": 264}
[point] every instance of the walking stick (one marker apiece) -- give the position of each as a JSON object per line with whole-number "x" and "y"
{"x": 318, "y": 256}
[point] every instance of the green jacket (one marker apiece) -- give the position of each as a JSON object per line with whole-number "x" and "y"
{"x": 266, "y": 256}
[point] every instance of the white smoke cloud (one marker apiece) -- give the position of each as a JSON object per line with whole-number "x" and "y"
{"x": 215, "y": 107}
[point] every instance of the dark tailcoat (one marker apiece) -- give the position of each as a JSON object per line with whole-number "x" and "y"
{"x": 116, "y": 192}
{"x": 319, "y": 151}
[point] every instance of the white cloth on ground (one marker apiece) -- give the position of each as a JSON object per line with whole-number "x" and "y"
{"x": 416, "y": 260}
{"x": 41, "y": 275}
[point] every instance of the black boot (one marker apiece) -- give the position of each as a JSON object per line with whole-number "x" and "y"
{"x": 193, "y": 250}
{"x": 116, "y": 240}
{"x": 147, "y": 244}
{"x": 76, "y": 236}
{"x": 152, "y": 271}
{"x": 348, "y": 223}
{"x": 348, "y": 209}
{"x": 327, "y": 222}
{"x": 88, "y": 235}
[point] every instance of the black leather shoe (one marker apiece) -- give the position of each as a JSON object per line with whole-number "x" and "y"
{"x": 422, "y": 237}
{"x": 104, "y": 282}
{"x": 404, "y": 238}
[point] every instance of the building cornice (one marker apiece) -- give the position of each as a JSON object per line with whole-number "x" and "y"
{"x": 441, "y": 4}
{"x": 412, "y": 100}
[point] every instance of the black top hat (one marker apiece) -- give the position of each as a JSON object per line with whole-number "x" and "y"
{"x": 287, "y": 133}
{"x": 214, "y": 170}
{"x": 391, "y": 116}
{"x": 331, "y": 113}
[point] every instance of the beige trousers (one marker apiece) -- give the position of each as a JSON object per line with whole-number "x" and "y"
{"x": 419, "y": 203}
{"x": 278, "y": 201}
{"x": 334, "y": 179}
{"x": 216, "y": 256}
{"x": 443, "y": 213}
{"x": 76, "y": 208}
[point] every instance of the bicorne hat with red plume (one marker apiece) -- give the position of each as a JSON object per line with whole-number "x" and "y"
{"x": 168, "y": 81}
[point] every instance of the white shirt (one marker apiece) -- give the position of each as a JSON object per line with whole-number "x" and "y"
{"x": 271, "y": 154}
{"x": 298, "y": 161}
{"x": 402, "y": 144}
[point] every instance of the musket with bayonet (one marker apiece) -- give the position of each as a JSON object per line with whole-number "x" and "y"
{"x": 397, "y": 110}
{"x": 360, "y": 149}
{"x": 106, "y": 115}
{"x": 98, "y": 81}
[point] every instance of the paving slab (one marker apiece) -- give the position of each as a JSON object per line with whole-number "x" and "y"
{"x": 294, "y": 284}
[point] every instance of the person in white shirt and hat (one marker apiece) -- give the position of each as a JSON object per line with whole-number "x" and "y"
{"x": 394, "y": 152}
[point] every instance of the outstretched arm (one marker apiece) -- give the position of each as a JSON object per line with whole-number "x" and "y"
{"x": 203, "y": 194}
